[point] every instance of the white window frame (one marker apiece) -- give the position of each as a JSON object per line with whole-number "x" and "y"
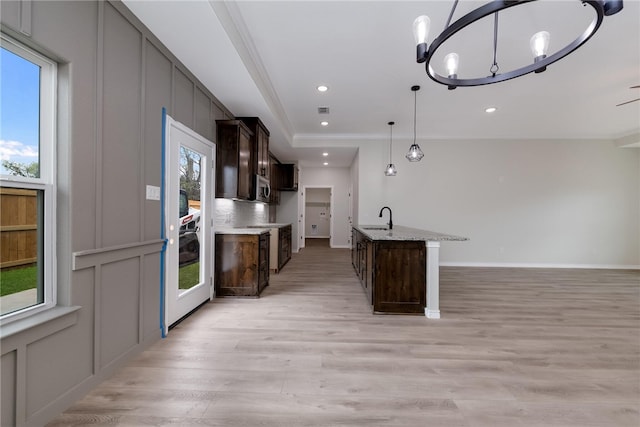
{"x": 47, "y": 180}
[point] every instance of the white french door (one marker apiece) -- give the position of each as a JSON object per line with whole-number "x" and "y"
{"x": 189, "y": 184}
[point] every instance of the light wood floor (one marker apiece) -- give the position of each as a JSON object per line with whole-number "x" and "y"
{"x": 515, "y": 347}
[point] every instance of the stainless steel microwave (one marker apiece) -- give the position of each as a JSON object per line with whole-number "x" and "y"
{"x": 262, "y": 189}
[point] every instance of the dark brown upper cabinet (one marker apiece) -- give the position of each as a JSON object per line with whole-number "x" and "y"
{"x": 260, "y": 143}
{"x": 234, "y": 170}
{"x": 288, "y": 177}
{"x": 274, "y": 180}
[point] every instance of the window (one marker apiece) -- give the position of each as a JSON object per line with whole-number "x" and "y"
{"x": 27, "y": 181}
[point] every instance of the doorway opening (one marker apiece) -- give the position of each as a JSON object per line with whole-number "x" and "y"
{"x": 317, "y": 216}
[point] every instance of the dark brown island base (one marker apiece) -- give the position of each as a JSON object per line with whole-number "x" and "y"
{"x": 398, "y": 268}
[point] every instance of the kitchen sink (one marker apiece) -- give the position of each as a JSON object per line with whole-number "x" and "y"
{"x": 374, "y": 228}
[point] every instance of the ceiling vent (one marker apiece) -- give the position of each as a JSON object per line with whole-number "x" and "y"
{"x": 323, "y": 110}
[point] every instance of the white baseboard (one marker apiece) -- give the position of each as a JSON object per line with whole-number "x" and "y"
{"x": 341, "y": 247}
{"x": 539, "y": 265}
{"x": 317, "y": 237}
{"x": 432, "y": 314}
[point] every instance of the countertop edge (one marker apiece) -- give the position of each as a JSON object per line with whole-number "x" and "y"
{"x": 245, "y": 231}
{"x": 401, "y": 233}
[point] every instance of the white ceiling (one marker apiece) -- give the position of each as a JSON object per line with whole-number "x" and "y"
{"x": 266, "y": 58}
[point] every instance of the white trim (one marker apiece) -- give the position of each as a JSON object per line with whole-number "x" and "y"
{"x": 540, "y": 265}
{"x": 47, "y": 181}
{"x": 432, "y": 309}
{"x": 341, "y": 247}
{"x": 178, "y": 304}
{"x": 432, "y": 314}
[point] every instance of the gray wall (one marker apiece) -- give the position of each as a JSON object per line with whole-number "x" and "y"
{"x": 529, "y": 203}
{"x": 114, "y": 79}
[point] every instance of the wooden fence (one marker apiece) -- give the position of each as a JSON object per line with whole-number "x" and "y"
{"x": 18, "y": 227}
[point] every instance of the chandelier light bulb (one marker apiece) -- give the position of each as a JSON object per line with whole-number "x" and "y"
{"x": 391, "y": 170}
{"x": 421, "y": 32}
{"x": 421, "y": 27}
{"x": 451, "y": 62}
{"x": 540, "y": 44}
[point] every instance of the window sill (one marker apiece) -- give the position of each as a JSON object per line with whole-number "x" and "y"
{"x": 51, "y": 321}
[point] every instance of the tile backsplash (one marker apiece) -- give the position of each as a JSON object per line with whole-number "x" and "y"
{"x": 232, "y": 213}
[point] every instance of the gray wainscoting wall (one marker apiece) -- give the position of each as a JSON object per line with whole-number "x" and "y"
{"x": 114, "y": 79}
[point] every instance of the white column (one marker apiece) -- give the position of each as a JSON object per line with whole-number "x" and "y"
{"x": 432, "y": 311}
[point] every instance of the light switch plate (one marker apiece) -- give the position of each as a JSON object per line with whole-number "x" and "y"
{"x": 153, "y": 192}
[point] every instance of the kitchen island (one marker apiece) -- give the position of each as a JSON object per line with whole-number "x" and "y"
{"x": 399, "y": 268}
{"x": 241, "y": 261}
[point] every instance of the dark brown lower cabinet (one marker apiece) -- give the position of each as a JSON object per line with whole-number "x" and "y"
{"x": 392, "y": 273}
{"x": 284, "y": 246}
{"x": 242, "y": 264}
{"x": 399, "y": 277}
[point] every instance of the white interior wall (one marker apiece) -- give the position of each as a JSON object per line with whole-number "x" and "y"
{"x": 528, "y": 203}
{"x": 287, "y": 212}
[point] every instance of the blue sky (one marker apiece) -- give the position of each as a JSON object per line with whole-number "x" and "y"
{"x": 19, "y": 109}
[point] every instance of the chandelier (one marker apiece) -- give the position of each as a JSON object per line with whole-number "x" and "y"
{"x": 539, "y": 42}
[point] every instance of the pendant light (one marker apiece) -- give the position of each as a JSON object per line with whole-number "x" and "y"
{"x": 415, "y": 154}
{"x": 391, "y": 168}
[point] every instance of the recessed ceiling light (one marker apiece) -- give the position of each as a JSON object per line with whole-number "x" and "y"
{"x": 326, "y": 164}
{"x": 322, "y": 88}
{"x": 490, "y": 110}
{"x": 325, "y": 154}
{"x": 324, "y": 123}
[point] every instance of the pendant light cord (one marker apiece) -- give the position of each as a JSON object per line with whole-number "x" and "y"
{"x": 390, "y": 141}
{"x": 415, "y": 102}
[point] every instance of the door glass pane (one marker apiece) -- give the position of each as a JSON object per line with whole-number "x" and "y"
{"x": 190, "y": 227}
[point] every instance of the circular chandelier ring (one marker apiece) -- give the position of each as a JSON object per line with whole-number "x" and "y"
{"x": 496, "y": 6}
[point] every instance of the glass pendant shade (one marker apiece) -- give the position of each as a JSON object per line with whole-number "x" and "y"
{"x": 415, "y": 154}
{"x": 391, "y": 170}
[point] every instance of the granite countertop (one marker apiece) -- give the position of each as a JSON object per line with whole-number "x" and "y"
{"x": 269, "y": 225}
{"x": 242, "y": 230}
{"x": 405, "y": 233}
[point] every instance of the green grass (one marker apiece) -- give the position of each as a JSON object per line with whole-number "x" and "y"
{"x": 189, "y": 276}
{"x": 18, "y": 280}
{"x": 21, "y": 279}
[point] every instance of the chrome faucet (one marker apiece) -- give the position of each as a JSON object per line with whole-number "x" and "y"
{"x": 390, "y": 216}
